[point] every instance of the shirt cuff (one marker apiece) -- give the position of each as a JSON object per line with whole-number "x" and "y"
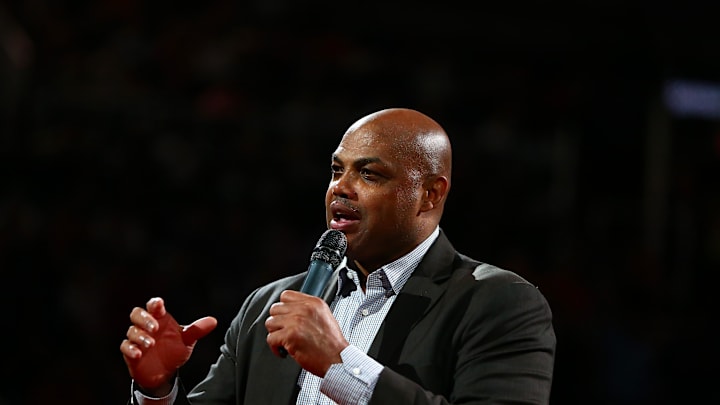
{"x": 143, "y": 399}
{"x": 352, "y": 381}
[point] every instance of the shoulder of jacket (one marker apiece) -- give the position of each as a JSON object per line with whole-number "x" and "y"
{"x": 485, "y": 271}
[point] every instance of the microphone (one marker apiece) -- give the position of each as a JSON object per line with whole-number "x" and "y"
{"x": 325, "y": 257}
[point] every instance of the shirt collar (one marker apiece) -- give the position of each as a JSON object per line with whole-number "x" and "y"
{"x": 392, "y": 275}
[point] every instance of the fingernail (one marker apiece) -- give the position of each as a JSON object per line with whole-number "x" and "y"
{"x": 150, "y": 326}
{"x": 145, "y": 341}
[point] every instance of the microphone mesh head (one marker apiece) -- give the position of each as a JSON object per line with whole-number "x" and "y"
{"x": 330, "y": 247}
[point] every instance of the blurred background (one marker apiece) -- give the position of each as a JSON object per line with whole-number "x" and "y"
{"x": 181, "y": 149}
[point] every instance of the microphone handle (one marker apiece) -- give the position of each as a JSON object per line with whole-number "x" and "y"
{"x": 319, "y": 273}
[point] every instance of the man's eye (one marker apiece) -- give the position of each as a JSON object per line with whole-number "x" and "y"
{"x": 367, "y": 174}
{"x": 335, "y": 169}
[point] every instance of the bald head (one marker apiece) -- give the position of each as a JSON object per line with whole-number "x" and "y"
{"x": 412, "y": 136}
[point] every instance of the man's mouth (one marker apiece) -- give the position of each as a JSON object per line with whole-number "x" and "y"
{"x": 344, "y": 216}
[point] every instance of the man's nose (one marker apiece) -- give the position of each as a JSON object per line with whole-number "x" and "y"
{"x": 343, "y": 187}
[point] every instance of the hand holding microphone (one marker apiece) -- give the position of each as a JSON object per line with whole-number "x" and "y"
{"x": 302, "y": 324}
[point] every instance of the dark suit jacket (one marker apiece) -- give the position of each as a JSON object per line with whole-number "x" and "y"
{"x": 460, "y": 331}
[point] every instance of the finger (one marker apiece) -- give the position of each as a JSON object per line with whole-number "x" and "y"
{"x": 139, "y": 338}
{"x": 142, "y": 319}
{"x": 292, "y": 296}
{"x": 156, "y": 307}
{"x": 276, "y": 337}
{"x": 130, "y": 351}
{"x": 279, "y": 308}
{"x": 274, "y": 342}
{"x": 272, "y": 324}
{"x": 198, "y": 329}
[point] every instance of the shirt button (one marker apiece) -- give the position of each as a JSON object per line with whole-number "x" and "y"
{"x": 356, "y": 371}
{"x": 365, "y": 312}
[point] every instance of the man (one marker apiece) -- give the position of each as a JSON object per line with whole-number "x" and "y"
{"x": 407, "y": 319}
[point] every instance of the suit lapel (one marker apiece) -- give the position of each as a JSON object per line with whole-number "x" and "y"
{"x": 420, "y": 293}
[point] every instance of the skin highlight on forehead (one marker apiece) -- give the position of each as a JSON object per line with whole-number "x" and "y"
{"x": 410, "y": 137}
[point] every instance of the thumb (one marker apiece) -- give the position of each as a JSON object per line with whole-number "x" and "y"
{"x": 198, "y": 329}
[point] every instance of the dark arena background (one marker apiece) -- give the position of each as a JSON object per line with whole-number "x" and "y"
{"x": 181, "y": 149}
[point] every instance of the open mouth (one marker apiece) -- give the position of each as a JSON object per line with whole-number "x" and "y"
{"x": 343, "y": 216}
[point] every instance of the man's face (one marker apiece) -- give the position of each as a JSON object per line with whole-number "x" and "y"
{"x": 374, "y": 197}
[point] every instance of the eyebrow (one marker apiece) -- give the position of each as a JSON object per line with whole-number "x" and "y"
{"x": 359, "y": 162}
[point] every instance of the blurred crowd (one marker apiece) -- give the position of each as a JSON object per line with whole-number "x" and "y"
{"x": 182, "y": 149}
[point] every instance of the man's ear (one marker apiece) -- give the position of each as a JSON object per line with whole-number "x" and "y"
{"x": 436, "y": 190}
